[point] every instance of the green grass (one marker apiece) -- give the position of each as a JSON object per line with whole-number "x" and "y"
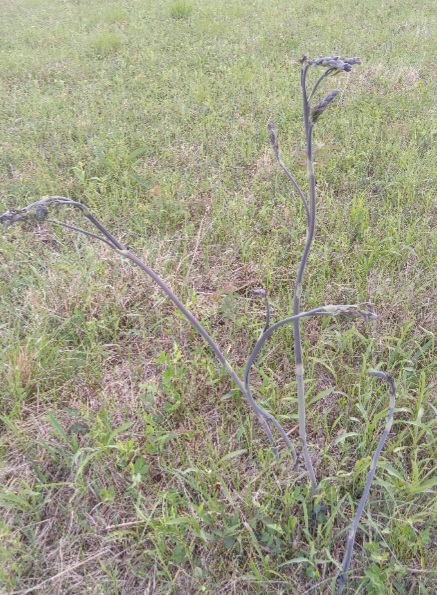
{"x": 181, "y": 10}
{"x": 145, "y": 473}
{"x": 106, "y": 43}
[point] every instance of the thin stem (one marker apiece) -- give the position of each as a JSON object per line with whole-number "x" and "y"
{"x": 275, "y": 146}
{"x": 268, "y": 432}
{"x": 319, "y": 80}
{"x": 104, "y": 231}
{"x": 342, "y": 579}
{"x": 348, "y": 310}
{"x": 297, "y": 187}
{"x": 267, "y": 418}
{"x": 267, "y": 322}
{"x": 65, "y": 201}
{"x": 259, "y": 411}
{"x": 298, "y": 287}
{"x": 192, "y": 319}
{"x": 168, "y": 292}
{"x": 262, "y": 415}
{"x": 351, "y": 310}
{"x": 80, "y": 230}
{"x": 86, "y": 213}
{"x": 306, "y": 107}
{"x": 268, "y": 333}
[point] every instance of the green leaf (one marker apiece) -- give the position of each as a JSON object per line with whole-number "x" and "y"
{"x": 86, "y": 461}
{"x": 426, "y": 486}
{"x": 271, "y": 524}
{"x": 253, "y": 539}
{"x": 321, "y": 395}
{"x": 206, "y": 536}
{"x": 422, "y": 350}
{"x": 120, "y": 430}
{"x": 228, "y": 395}
{"x": 141, "y": 181}
{"x": 10, "y": 500}
{"x": 137, "y": 153}
{"x": 57, "y": 427}
{"x": 227, "y": 492}
{"x": 232, "y": 455}
{"x": 181, "y": 520}
{"x": 343, "y": 437}
{"x": 229, "y": 541}
{"x": 295, "y": 561}
{"x": 325, "y": 365}
{"x": 390, "y": 470}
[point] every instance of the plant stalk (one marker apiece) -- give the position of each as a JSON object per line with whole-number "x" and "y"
{"x": 300, "y": 384}
{"x": 263, "y": 416}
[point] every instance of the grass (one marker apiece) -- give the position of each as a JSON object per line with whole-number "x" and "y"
{"x": 106, "y": 43}
{"x": 181, "y": 10}
{"x": 140, "y": 474}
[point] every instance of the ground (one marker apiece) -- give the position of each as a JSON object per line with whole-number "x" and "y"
{"x": 130, "y": 464}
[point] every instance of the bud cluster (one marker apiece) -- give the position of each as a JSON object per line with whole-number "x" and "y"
{"x": 335, "y": 62}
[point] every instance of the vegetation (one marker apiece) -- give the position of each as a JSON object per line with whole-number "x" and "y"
{"x": 130, "y": 465}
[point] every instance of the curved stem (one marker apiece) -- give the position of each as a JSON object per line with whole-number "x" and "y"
{"x": 348, "y": 310}
{"x": 263, "y": 416}
{"x": 65, "y": 201}
{"x": 247, "y": 369}
{"x": 342, "y": 579}
{"x": 257, "y": 409}
{"x": 276, "y": 151}
{"x": 306, "y": 107}
{"x": 80, "y": 230}
{"x": 163, "y": 286}
{"x": 267, "y": 322}
{"x": 269, "y": 332}
{"x": 319, "y": 80}
{"x": 297, "y": 187}
{"x": 86, "y": 213}
{"x": 192, "y": 319}
{"x": 269, "y": 418}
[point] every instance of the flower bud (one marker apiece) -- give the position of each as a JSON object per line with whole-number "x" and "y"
{"x": 273, "y": 138}
{"x": 352, "y": 61}
{"x": 318, "y": 109}
{"x": 41, "y": 212}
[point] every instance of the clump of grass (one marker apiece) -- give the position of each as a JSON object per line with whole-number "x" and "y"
{"x": 181, "y": 10}
{"x": 106, "y": 43}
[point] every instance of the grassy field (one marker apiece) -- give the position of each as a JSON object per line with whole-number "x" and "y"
{"x": 129, "y": 463}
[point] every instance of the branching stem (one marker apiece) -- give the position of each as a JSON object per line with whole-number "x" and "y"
{"x": 327, "y": 72}
{"x": 297, "y": 187}
{"x": 40, "y": 209}
{"x": 32, "y": 211}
